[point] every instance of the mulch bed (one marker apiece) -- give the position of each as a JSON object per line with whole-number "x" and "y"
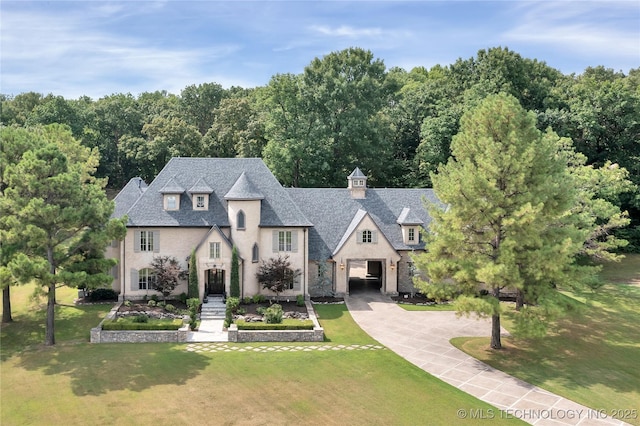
{"x": 416, "y": 299}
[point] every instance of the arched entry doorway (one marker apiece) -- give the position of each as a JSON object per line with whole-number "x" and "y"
{"x": 215, "y": 281}
{"x": 365, "y": 275}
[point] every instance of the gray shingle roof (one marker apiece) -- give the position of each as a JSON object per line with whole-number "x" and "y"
{"x": 408, "y": 217}
{"x": 128, "y": 196}
{"x": 244, "y": 189}
{"x": 333, "y": 210}
{"x": 220, "y": 174}
{"x": 200, "y": 187}
{"x": 172, "y": 187}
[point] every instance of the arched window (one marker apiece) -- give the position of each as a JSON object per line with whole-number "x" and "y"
{"x": 240, "y": 220}
{"x": 255, "y": 253}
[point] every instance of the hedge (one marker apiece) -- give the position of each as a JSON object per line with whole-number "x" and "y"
{"x": 285, "y": 325}
{"x": 128, "y": 324}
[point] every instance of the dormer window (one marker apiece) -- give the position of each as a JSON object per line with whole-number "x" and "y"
{"x": 412, "y": 235}
{"x": 171, "y": 201}
{"x": 171, "y": 192}
{"x": 200, "y": 195}
{"x": 200, "y": 201}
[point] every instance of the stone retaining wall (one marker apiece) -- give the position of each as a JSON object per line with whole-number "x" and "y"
{"x": 98, "y": 335}
{"x": 315, "y": 335}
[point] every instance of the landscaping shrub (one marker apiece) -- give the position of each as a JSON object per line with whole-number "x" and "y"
{"x": 183, "y": 297}
{"x": 285, "y": 325}
{"x": 273, "y": 314}
{"x": 193, "y": 305}
{"x": 100, "y": 294}
{"x": 246, "y": 300}
{"x": 141, "y": 318}
{"x": 169, "y": 307}
{"x": 130, "y": 324}
{"x": 155, "y": 298}
{"x": 261, "y": 310}
{"x": 128, "y": 303}
{"x": 232, "y": 307}
{"x": 152, "y": 303}
{"x": 300, "y": 300}
{"x": 259, "y": 298}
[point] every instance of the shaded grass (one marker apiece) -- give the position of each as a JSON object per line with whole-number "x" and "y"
{"x": 72, "y": 324}
{"x": 591, "y": 357}
{"x": 436, "y": 307}
{"x": 158, "y": 384}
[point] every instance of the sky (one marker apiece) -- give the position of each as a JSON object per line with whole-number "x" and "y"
{"x": 98, "y": 48}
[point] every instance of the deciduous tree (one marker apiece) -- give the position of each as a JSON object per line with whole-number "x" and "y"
{"x": 167, "y": 272}
{"x": 276, "y": 274}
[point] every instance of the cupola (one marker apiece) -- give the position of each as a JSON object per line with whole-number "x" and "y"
{"x": 357, "y": 184}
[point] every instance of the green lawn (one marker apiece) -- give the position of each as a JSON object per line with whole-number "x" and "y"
{"x": 592, "y": 358}
{"x": 438, "y": 307}
{"x": 142, "y": 384}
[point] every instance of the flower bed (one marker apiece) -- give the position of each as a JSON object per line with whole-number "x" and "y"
{"x": 130, "y": 323}
{"x": 139, "y": 335}
{"x": 287, "y": 324}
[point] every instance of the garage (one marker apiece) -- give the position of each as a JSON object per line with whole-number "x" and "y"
{"x": 364, "y": 275}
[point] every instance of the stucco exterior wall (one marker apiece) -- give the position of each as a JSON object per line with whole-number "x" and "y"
{"x": 177, "y": 242}
{"x": 298, "y": 260}
{"x": 380, "y": 251}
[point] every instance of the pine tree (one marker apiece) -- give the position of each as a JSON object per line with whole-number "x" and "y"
{"x": 507, "y": 189}
{"x": 54, "y": 204}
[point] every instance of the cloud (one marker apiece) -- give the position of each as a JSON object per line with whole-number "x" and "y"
{"x": 72, "y": 53}
{"x": 592, "y": 29}
{"x": 346, "y": 31}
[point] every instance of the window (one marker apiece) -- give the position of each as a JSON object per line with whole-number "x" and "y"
{"x": 146, "y": 241}
{"x": 367, "y": 237}
{"x": 412, "y": 235}
{"x": 358, "y": 182}
{"x": 295, "y": 284}
{"x": 255, "y": 253}
{"x": 240, "y": 223}
{"x": 200, "y": 201}
{"x": 146, "y": 279}
{"x": 172, "y": 202}
{"x": 284, "y": 241}
{"x": 214, "y": 250}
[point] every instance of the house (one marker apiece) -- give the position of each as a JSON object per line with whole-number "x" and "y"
{"x": 212, "y": 204}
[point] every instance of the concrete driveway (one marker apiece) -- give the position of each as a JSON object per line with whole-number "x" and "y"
{"x": 423, "y": 339}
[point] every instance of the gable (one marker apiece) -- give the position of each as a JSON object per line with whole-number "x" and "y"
{"x": 364, "y": 239}
{"x": 331, "y": 210}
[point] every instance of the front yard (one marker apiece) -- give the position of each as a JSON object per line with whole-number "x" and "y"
{"x": 159, "y": 384}
{"x": 592, "y": 358}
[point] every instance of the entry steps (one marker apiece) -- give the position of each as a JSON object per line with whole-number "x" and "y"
{"x": 214, "y": 308}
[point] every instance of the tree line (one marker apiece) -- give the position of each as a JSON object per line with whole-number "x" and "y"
{"x": 347, "y": 109}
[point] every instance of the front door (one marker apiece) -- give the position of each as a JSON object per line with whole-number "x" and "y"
{"x": 216, "y": 281}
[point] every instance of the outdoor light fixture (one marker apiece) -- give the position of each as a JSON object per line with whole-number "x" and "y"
{"x": 341, "y": 265}
{"x": 392, "y": 265}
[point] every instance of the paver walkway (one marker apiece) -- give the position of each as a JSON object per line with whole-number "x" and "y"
{"x": 428, "y": 347}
